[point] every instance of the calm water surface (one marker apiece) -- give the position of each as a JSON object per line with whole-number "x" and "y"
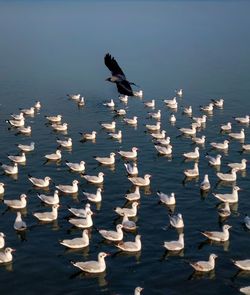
{"x": 49, "y": 49}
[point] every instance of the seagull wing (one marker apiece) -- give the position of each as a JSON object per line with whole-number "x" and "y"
{"x": 113, "y": 66}
{"x": 124, "y": 87}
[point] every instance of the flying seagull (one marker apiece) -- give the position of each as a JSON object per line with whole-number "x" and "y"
{"x": 118, "y": 77}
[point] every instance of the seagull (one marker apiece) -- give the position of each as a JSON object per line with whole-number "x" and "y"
{"x": 1, "y": 188}
{"x": 69, "y": 189}
{"x": 118, "y": 77}
{"x": 229, "y": 198}
{"x": 226, "y": 127}
{"x": 76, "y": 167}
{"x": 112, "y": 235}
{"x": 17, "y": 204}
{"x": 131, "y": 169}
{"x": 19, "y": 224}
{"x": 192, "y": 172}
{"x": 201, "y": 119}
{"x": 83, "y": 222}
{"x": 164, "y": 150}
{"x": 60, "y": 127}
{"x": 220, "y": 146}
{"x": 39, "y": 182}
{"x": 172, "y": 119}
{"x": 218, "y": 102}
{"x": 74, "y": 96}
{"x": 224, "y": 210}
{"x": 120, "y": 112}
{"x": 218, "y": 235}
{"x": 131, "y": 246}
{"x": 95, "y": 179}
{"x": 214, "y": 161}
{"x": 124, "y": 98}
{"x": 89, "y": 136}
{"x": 129, "y": 154}
{"x": 81, "y": 101}
{"x": 242, "y": 264}
{"x": 246, "y": 147}
{"x": 247, "y": 221}
{"x": 188, "y": 131}
{"x": 150, "y": 104}
{"x": 207, "y": 108}
{"x": 160, "y": 135}
{"x": 238, "y": 166}
{"x": 138, "y": 290}
{"x": 2, "y": 240}
{"x": 135, "y": 196}
{"x": 50, "y": 200}
{"x": 109, "y": 104}
{"x": 17, "y": 117}
{"x": 18, "y": 158}
{"x": 65, "y": 143}
{"x": 140, "y": 181}
{"x": 243, "y": 120}
{"x": 205, "y": 266}
{"x": 205, "y": 185}
{"x": 26, "y": 148}
{"x": 48, "y": 216}
{"x": 199, "y": 140}
{"x": 93, "y": 266}
{"x": 130, "y": 212}
{"x": 228, "y": 176}
{"x": 192, "y": 155}
{"x": 238, "y": 135}
{"x": 16, "y": 123}
{"x": 245, "y": 290}
{"x": 54, "y": 119}
{"x": 170, "y": 101}
{"x": 82, "y": 213}
{"x": 155, "y": 127}
{"x": 109, "y": 126}
{"x": 24, "y": 130}
{"x": 138, "y": 93}
{"x": 9, "y": 169}
{"x": 164, "y": 141}
{"x": 128, "y": 224}
{"x": 131, "y": 121}
{"x": 77, "y": 243}
{"x": 175, "y": 245}
{"x": 6, "y": 256}
{"x": 106, "y": 160}
{"x": 188, "y": 110}
{"x": 96, "y": 198}
{"x": 156, "y": 115}
{"x": 28, "y": 112}
{"x": 176, "y": 220}
{"x": 37, "y": 105}
{"x": 167, "y": 199}
{"x": 55, "y": 156}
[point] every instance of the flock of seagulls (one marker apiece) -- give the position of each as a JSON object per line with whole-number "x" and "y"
{"x": 82, "y": 218}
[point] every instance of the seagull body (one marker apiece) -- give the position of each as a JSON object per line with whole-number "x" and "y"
{"x": 74, "y": 96}
{"x": 188, "y": 110}
{"x": 16, "y": 123}
{"x": 229, "y": 198}
{"x": 164, "y": 141}
{"x": 131, "y": 246}
{"x": 214, "y": 161}
{"x": 65, "y": 143}
{"x": 2, "y": 240}
{"x": 120, "y": 112}
{"x": 81, "y": 101}
{"x": 69, "y": 189}
{"x": 192, "y": 172}
{"x": 24, "y": 130}
{"x": 246, "y": 147}
{"x": 175, "y": 245}
{"x": 76, "y": 167}
{"x": 55, "y": 156}
{"x": 156, "y": 115}
{"x": 128, "y": 224}
{"x": 77, "y": 243}
{"x": 82, "y": 212}
{"x": 160, "y": 135}
{"x": 95, "y": 179}
{"x": 54, "y": 119}
{"x": 28, "y": 112}
{"x": 226, "y": 127}
{"x": 19, "y": 224}
{"x": 238, "y": 135}
{"x": 172, "y": 119}
{"x": 220, "y": 146}
{"x": 150, "y": 104}
{"x": 50, "y": 200}
{"x": 17, "y": 117}
{"x": 192, "y": 155}
{"x": 112, "y": 235}
{"x": 9, "y": 169}
{"x": 242, "y": 264}
{"x": 18, "y": 159}
{"x": 138, "y": 93}
{"x": 207, "y": 108}
{"x": 170, "y": 101}
{"x": 1, "y": 188}
{"x": 205, "y": 266}
{"x": 135, "y": 196}
{"x": 239, "y": 166}
{"x": 218, "y": 102}
{"x": 131, "y": 121}
{"x": 140, "y": 181}
{"x": 131, "y": 169}
{"x": 124, "y": 98}
{"x": 129, "y": 154}
{"x": 130, "y": 212}
{"x": 138, "y": 290}
{"x": 201, "y": 119}
{"x": 89, "y": 136}
{"x": 164, "y": 150}
{"x": 224, "y": 211}
{"x": 37, "y": 105}
{"x": 39, "y": 182}
{"x": 176, "y": 220}
{"x": 48, "y": 216}
{"x": 205, "y": 185}
{"x": 6, "y": 256}
{"x": 247, "y": 221}
{"x": 228, "y": 176}
{"x": 243, "y": 120}
{"x": 60, "y": 127}
{"x": 167, "y": 199}
{"x": 93, "y": 266}
{"x": 82, "y": 222}
{"x": 199, "y": 140}
{"x": 96, "y": 198}
{"x": 155, "y": 127}
{"x": 17, "y": 204}
{"x": 109, "y": 104}
{"x": 218, "y": 235}
{"x": 106, "y": 160}
{"x": 245, "y": 290}
{"x": 109, "y": 126}
{"x": 188, "y": 131}
{"x": 27, "y": 148}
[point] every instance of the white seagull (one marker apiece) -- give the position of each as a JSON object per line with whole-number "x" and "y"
{"x": 83, "y": 222}
{"x": 77, "y": 243}
{"x": 220, "y": 146}
{"x": 192, "y": 155}
{"x": 26, "y": 148}
{"x": 135, "y": 196}
{"x": 55, "y": 156}
{"x": 129, "y": 154}
{"x": 39, "y": 182}
{"x": 131, "y": 246}
{"x": 176, "y": 220}
{"x": 18, "y": 158}
{"x": 238, "y": 135}
{"x": 131, "y": 169}
{"x": 19, "y": 224}
{"x": 242, "y": 264}
{"x": 50, "y": 200}
{"x": 106, "y": 160}
{"x": 141, "y": 181}
{"x": 214, "y": 161}
{"x": 82, "y": 212}
{"x": 130, "y": 212}
{"x": 229, "y": 177}
{"x": 192, "y": 172}
{"x": 96, "y": 198}
{"x": 48, "y": 216}
{"x": 112, "y": 235}
{"x": 9, "y": 169}
{"x": 218, "y": 235}
{"x": 69, "y": 189}
{"x": 229, "y": 198}
{"x": 17, "y": 204}
{"x": 175, "y": 245}
{"x": 95, "y": 179}
{"x": 6, "y": 256}
{"x": 239, "y": 166}
{"x": 205, "y": 266}
{"x": 205, "y": 185}
{"x": 93, "y": 266}
{"x": 76, "y": 167}
{"x": 167, "y": 199}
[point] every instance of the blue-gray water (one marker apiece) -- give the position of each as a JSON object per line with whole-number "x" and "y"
{"x": 49, "y": 49}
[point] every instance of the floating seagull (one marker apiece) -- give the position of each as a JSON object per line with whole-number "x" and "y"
{"x": 207, "y": 108}
{"x": 164, "y": 150}
{"x": 74, "y": 96}
{"x": 167, "y": 199}
{"x": 135, "y": 196}
{"x": 188, "y": 131}
{"x": 192, "y": 155}
{"x": 60, "y": 127}
{"x": 218, "y": 102}
{"x": 131, "y": 246}
{"x": 17, "y": 117}
{"x": 77, "y": 243}
{"x": 39, "y": 182}
{"x": 95, "y": 179}
{"x": 106, "y": 160}
{"x": 112, "y": 235}
{"x": 224, "y": 210}
{"x": 9, "y": 169}
{"x": 131, "y": 121}
{"x": 130, "y": 212}
{"x": 96, "y": 198}
{"x": 26, "y": 148}
{"x": 199, "y": 140}
{"x": 179, "y": 92}
{"x": 2, "y": 240}
{"x": 176, "y": 220}
{"x": 242, "y": 264}
{"x": 76, "y": 167}
{"x": 82, "y": 212}
{"x": 205, "y": 266}
{"x": 69, "y": 189}
{"x": 205, "y": 185}
{"x": 37, "y": 105}
{"x": 175, "y": 245}
{"x": 93, "y": 266}
{"x": 160, "y": 135}
{"x": 50, "y": 200}
{"x": 28, "y": 112}
{"x": 172, "y": 119}
{"x": 48, "y": 216}
{"x": 155, "y": 127}
{"x": 120, "y": 112}
{"x": 55, "y": 156}
{"x": 192, "y": 172}
{"x": 24, "y": 130}
{"x": 65, "y": 143}
{"x": 226, "y": 127}
{"x": 228, "y": 176}
{"x": 118, "y": 77}
{"x": 238, "y": 135}
{"x": 109, "y": 126}
{"x": 129, "y": 154}
{"x": 245, "y": 290}
{"x": 6, "y": 256}
{"x": 19, "y": 224}
{"x": 141, "y": 181}
{"x": 16, "y": 123}
{"x": 128, "y": 224}
{"x": 170, "y": 101}
{"x": 1, "y": 188}
{"x": 81, "y": 101}
{"x": 17, "y": 204}
{"x": 165, "y": 141}
{"x": 243, "y": 120}
{"x": 214, "y": 161}
{"x": 156, "y": 115}
{"x": 138, "y": 290}
{"x": 124, "y": 98}
{"x": 218, "y": 235}
{"x": 247, "y": 221}
{"x": 220, "y": 146}
{"x": 246, "y": 147}
{"x": 54, "y": 119}
{"x": 18, "y": 158}
{"x": 150, "y": 104}
{"x": 109, "y": 104}
{"x": 83, "y": 222}
{"x": 188, "y": 110}
{"x": 138, "y": 93}
{"x": 229, "y": 198}
{"x": 239, "y": 166}
{"x": 131, "y": 169}
{"x": 89, "y": 136}
{"x": 201, "y": 119}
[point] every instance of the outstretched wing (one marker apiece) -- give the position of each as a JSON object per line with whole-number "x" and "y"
{"x": 124, "y": 88}
{"x": 113, "y": 66}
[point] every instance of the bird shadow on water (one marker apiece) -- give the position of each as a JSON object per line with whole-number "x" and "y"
{"x": 8, "y": 266}
{"x": 225, "y": 244}
{"x": 196, "y": 275}
{"x": 101, "y": 277}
